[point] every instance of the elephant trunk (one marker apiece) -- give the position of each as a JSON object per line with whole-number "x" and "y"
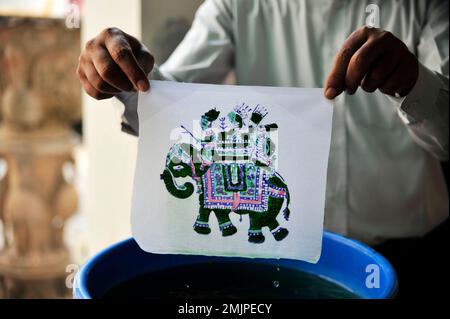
{"x": 179, "y": 191}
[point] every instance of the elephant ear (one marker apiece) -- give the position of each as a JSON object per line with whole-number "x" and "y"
{"x": 186, "y": 147}
{"x": 193, "y": 153}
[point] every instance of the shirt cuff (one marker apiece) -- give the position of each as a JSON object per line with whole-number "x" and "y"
{"x": 418, "y": 105}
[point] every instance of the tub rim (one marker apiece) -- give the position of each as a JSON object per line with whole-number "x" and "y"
{"x": 81, "y": 291}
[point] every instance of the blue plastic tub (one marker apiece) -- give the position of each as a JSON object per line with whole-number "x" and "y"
{"x": 344, "y": 261}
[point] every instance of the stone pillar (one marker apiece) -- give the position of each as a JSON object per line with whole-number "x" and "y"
{"x": 39, "y": 103}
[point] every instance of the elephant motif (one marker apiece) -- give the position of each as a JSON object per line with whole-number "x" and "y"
{"x": 233, "y": 173}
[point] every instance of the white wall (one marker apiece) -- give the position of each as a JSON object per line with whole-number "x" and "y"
{"x": 34, "y": 8}
{"x": 111, "y": 154}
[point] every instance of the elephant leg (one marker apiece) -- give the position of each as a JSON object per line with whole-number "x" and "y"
{"x": 226, "y": 226}
{"x": 255, "y": 234}
{"x": 201, "y": 224}
{"x": 275, "y": 205}
{"x": 278, "y": 232}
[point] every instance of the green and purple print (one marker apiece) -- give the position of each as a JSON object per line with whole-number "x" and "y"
{"x": 233, "y": 167}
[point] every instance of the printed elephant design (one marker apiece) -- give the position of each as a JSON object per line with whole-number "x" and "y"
{"x": 242, "y": 188}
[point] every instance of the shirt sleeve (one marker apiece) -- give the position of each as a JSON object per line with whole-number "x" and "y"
{"x": 204, "y": 56}
{"x": 425, "y": 109}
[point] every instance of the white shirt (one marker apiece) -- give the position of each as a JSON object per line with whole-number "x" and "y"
{"x": 384, "y": 178}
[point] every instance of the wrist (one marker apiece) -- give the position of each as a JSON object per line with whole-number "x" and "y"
{"x": 417, "y": 103}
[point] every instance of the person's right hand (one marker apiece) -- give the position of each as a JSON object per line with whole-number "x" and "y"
{"x": 114, "y": 62}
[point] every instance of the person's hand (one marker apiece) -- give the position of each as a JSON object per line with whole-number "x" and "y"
{"x": 114, "y": 62}
{"x": 373, "y": 59}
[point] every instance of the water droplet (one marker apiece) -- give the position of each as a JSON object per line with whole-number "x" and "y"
{"x": 187, "y": 286}
{"x": 278, "y": 267}
{"x": 276, "y": 283}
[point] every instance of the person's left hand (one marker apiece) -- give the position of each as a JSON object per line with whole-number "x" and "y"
{"x": 373, "y": 59}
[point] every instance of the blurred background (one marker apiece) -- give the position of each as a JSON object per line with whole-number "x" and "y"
{"x": 66, "y": 169}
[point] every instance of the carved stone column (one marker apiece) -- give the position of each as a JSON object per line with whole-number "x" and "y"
{"x": 39, "y": 102}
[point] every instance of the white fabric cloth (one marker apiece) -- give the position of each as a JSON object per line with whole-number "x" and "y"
{"x": 384, "y": 176}
{"x": 248, "y": 209}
